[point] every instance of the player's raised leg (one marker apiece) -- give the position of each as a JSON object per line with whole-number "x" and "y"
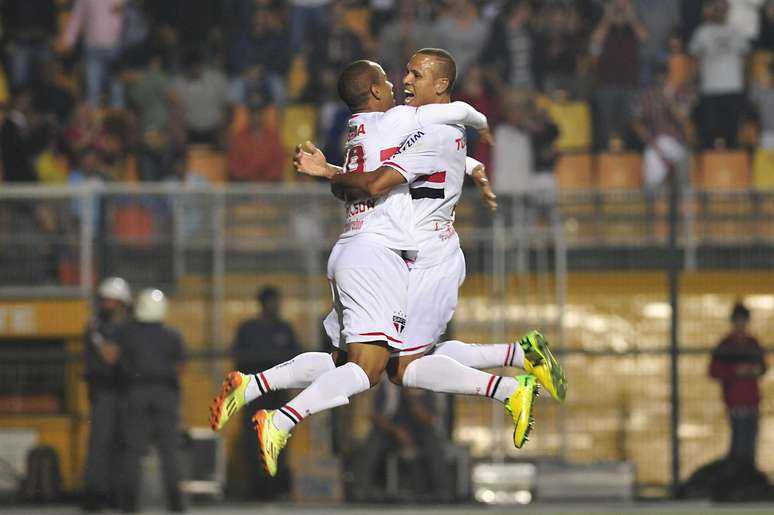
{"x": 531, "y": 352}
{"x": 331, "y": 389}
{"x": 240, "y": 389}
{"x": 444, "y": 375}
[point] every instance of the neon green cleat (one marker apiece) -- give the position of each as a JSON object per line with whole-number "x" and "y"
{"x": 230, "y": 400}
{"x": 541, "y": 363}
{"x": 519, "y": 407}
{"x": 271, "y": 439}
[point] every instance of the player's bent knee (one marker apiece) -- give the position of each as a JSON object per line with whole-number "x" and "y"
{"x": 372, "y": 358}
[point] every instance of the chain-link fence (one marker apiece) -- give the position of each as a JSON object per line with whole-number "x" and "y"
{"x": 587, "y": 269}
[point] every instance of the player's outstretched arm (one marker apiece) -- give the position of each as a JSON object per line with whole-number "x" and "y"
{"x": 451, "y": 113}
{"x": 477, "y": 172}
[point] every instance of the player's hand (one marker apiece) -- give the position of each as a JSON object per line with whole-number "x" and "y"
{"x": 486, "y": 136}
{"x": 310, "y": 160}
{"x": 485, "y": 187}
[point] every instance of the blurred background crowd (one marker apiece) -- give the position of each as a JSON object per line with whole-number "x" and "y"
{"x": 196, "y": 91}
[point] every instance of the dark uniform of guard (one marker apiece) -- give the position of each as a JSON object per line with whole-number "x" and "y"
{"x": 106, "y": 397}
{"x": 151, "y": 354}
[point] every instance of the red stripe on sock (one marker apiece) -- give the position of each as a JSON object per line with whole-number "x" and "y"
{"x": 507, "y": 354}
{"x": 489, "y": 385}
{"x": 264, "y": 382}
{"x": 294, "y": 412}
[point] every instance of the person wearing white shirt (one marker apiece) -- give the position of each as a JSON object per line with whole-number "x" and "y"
{"x": 720, "y": 50}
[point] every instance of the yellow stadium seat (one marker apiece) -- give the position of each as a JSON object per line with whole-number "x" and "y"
{"x": 575, "y": 172}
{"x": 725, "y": 170}
{"x": 574, "y": 121}
{"x": 758, "y": 71}
{"x": 619, "y": 171}
{"x": 763, "y": 169}
{"x": 299, "y": 123}
{"x": 208, "y": 162}
{"x": 298, "y": 77}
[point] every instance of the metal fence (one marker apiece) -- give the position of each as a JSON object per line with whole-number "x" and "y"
{"x": 588, "y": 269}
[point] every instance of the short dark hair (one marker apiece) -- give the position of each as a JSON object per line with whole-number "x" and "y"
{"x": 355, "y": 83}
{"x": 740, "y": 311}
{"x": 267, "y": 293}
{"x": 448, "y": 68}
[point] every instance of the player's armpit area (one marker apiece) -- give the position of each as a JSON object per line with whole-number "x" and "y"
{"x": 348, "y": 194}
{"x": 376, "y": 184}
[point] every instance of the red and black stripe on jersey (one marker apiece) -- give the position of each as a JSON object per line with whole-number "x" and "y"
{"x": 428, "y": 186}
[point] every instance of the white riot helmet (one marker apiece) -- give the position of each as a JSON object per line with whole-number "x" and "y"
{"x": 115, "y": 288}
{"x": 151, "y": 306}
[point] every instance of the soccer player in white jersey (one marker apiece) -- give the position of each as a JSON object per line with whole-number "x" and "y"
{"x": 431, "y": 161}
{"x": 440, "y": 269}
{"x": 367, "y": 282}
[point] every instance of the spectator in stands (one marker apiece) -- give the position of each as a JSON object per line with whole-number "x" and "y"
{"x": 615, "y": 43}
{"x": 765, "y": 39}
{"x": 83, "y": 130}
{"x": 152, "y": 98}
{"x": 29, "y": 27}
{"x": 404, "y": 425}
{"x": 151, "y": 356}
{"x": 762, "y": 99}
{"x": 135, "y": 39}
{"x": 738, "y": 363}
{"x": 100, "y": 22}
{"x": 513, "y": 49}
{"x": 660, "y": 18}
{"x": 342, "y": 46}
{"x": 270, "y": 55}
{"x": 721, "y": 51}
{"x": 462, "y": 32}
{"x": 662, "y": 121}
{"x": 106, "y": 395}
{"x": 238, "y": 19}
{"x": 400, "y": 38}
{"x": 17, "y": 140}
{"x": 475, "y": 90}
{"x": 561, "y": 33}
{"x": 203, "y": 93}
{"x": 255, "y": 153}
{"x": 524, "y": 153}
{"x": 261, "y": 343}
{"x": 52, "y": 98}
{"x": 309, "y": 23}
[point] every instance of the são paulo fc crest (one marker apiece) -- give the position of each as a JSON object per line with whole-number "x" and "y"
{"x": 399, "y": 321}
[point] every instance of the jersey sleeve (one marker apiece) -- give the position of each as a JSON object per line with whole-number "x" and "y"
{"x": 417, "y": 156}
{"x": 470, "y": 165}
{"x": 449, "y": 114}
{"x": 405, "y": 119}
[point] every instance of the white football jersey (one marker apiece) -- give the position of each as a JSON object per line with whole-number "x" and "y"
{"x": 432, "y": 160}
{"x": 373, "y": 138}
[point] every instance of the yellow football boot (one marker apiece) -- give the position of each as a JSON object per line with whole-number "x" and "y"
{"x": 519, "y": 407}
{"x": 541, "y": 363}
{"x": 271, "y": 439}
{"x": 230, "y": 400}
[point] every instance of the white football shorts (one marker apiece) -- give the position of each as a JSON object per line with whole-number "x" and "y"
{"x": 369, "y": 285}
{"x": 432, "y": 299}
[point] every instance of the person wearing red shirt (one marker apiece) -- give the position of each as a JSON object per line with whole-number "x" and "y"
{"x": 738, "y": 363}
{"x": 255, "y": 153}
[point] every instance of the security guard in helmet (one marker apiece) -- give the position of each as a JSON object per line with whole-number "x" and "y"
{"x": 151, "y": 354}
{"x": 102, "y": 479}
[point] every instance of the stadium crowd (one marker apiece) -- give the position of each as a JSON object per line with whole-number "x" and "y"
{"x": 123, "y": 90}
